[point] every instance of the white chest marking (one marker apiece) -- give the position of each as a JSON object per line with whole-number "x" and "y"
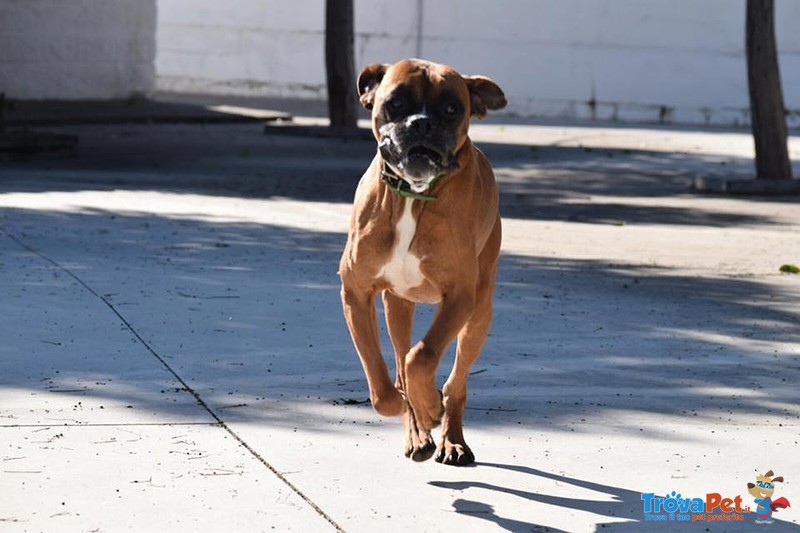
{"x": 402, "y": 271}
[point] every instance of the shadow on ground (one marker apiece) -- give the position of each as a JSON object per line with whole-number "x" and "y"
{"x": 619, "y": 503}
{"x": 537, "y": 182}
{"x": 250, "y": 315}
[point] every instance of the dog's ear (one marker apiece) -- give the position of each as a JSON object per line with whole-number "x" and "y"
{"x": 484, "y": 95}
{"x": 779, "y": 479}
{"x": 368, "y": 82}
{"x": 769, "y": 474}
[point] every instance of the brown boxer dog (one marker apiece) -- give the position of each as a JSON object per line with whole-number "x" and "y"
{"x": 425, "y": 229}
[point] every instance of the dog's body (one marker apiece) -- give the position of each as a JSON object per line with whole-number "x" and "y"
{"x": 437, "y": 248}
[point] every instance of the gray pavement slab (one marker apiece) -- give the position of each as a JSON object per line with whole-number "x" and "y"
{"x": 66, "y": 360}
{"x": 129, "y": 477}
{"x": 644, "y": 340}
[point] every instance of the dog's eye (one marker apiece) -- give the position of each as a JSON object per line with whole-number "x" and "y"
{"x": 395, "y": 103}
{"x": 450, "y": 109}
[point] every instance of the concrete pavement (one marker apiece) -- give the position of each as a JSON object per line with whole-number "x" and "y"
{"x": 174, "y": 358}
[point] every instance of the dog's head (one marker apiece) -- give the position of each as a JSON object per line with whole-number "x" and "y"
{"x": 421, "y": 113}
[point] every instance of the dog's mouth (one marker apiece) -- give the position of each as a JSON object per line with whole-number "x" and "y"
{"x": 425, "y": 152}
{"x": 421, "y": 160}
{"x": 420, "y": 165}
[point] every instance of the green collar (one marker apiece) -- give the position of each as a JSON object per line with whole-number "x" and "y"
{"x": 400, "y": 186}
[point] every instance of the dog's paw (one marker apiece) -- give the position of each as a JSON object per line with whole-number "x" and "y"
{"x": 419, "y": 445}
{"x": 454, "y": 454}
{"x": 422, "y": 450}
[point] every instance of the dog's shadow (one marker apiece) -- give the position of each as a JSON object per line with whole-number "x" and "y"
{"x": 625, "y": 504}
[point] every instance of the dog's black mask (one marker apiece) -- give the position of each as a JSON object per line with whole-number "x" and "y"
{"x": 419, "y": 141}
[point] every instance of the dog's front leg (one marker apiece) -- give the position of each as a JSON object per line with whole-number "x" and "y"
{"x": 359, "y": 311}
{"x": 423, "y": 359}
{"x": 419, "y": 444}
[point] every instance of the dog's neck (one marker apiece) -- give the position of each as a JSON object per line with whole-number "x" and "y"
{"x": 399, "y": 186}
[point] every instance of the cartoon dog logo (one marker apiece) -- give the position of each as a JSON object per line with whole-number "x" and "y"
{"x": 762, "y": 490}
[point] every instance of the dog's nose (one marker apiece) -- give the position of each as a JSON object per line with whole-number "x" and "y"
{"x": 419, "y": 123}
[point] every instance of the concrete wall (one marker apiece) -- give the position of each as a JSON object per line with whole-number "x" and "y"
{"x": 247, "y": 47}
{"x": 655, "y": 60}
{"x": 71, "y": 49}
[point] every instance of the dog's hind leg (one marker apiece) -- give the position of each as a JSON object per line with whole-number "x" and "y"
{"x": 453, "y": 449}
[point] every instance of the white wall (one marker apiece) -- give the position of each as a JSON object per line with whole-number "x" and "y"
{"x": 639, "y": 60}
{"x": 247, "y": 47}
{"x": 72, "y": 49}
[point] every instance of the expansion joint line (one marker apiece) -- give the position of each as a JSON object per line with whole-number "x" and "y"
{"x": 186, "y": 386}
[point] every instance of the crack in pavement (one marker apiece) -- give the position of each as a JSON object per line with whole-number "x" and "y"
{"x": 218, "y": 421}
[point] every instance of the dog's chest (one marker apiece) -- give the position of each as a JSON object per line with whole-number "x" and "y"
{"x": 402, "y": 271}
